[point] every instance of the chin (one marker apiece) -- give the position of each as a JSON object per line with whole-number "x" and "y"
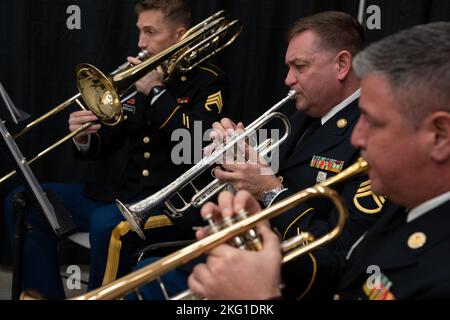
{"x": 301, "y": 106}
{"x": 376, "y": 185}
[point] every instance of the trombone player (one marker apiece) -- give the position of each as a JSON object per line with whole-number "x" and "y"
{"x": 150, "y": 118}
{"x": 404, "y": 134}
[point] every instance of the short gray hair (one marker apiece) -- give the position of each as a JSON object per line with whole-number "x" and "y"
{"x": 416, "y": 64}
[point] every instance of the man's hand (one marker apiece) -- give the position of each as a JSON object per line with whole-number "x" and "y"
{"x": 254, "y": 176}
{"x": 231, "y": 273}
{"x": 153, "y": 78}
{"x": 244, "y": 170}
{"x": 77, "y": 119}
{"x": 220, "y": 131}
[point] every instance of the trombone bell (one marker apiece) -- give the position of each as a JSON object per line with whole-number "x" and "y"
{"x": 99, "y": 94}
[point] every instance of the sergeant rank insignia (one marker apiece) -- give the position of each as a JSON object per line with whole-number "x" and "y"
{"x": 377, "y": 287}
{"x": 367, "y": 202}
{"x": 326, "y": 164}
{"x": 214, "y": 100}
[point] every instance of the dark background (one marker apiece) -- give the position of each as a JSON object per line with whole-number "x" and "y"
{"x": 38, "y": 56}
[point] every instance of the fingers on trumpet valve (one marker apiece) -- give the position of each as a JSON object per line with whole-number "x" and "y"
{"x": 229, "y": 210}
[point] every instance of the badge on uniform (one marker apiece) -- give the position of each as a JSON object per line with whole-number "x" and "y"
{"x": 183, "y": 100}
{"x": 321, "y": 176}
{"x": 367, "y": 202}
{"x": 327, "y": 164}
{"x": 417, "y": 240}
{"x": 214, "y": 100}
{"x": 130, "y": 105}
{"x": 378, "y": 288}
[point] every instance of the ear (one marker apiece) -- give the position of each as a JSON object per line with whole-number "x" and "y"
{"x": 440, "y": 126}
{"x": 343, "y": 64}
{"x": 179, "y": 33}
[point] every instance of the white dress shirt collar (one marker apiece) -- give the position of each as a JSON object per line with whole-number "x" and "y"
{"x": 427, "y": 206}
{"x": 355, "y": 95}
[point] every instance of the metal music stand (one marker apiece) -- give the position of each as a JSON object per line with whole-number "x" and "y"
{"x": 59, "y": 220}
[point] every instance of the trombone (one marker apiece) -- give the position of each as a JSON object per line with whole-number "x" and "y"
{"x": 138, "y": 213}
{"x": 294, "y": 247}
{"x": 102, "y": 94}
{"x": 110, "y": 119}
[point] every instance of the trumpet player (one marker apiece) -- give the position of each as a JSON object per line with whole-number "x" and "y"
{"x": 404, "y": 134}
{"x": 150, "y": 118}
{"x": 319, "y": 58}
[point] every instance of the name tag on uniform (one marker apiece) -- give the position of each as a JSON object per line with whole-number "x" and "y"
{"x": 129, "y": 105}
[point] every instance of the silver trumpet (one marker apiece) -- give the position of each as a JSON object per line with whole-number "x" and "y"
{"x": 138, "y": 213}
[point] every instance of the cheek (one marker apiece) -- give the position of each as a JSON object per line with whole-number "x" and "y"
{"x": 388, "y": 159}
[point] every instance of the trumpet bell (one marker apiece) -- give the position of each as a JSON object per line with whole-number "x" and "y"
{"x": 135, "y": 220}
{"x": 99, "y": 94}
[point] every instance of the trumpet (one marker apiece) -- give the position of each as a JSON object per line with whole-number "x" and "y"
{"x": 137, "y": 214}
{"x": 292, "y": 248}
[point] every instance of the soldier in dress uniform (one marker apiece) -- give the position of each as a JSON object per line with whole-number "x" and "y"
{"x": 319, "y": 56}
{"x": 404, "y": 133}
{"x": 151, "y": 117}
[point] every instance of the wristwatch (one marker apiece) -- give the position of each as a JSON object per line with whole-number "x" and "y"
{"x": 269, "y": 195}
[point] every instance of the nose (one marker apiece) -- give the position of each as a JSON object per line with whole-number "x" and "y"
{"x": 142, "y": 44}
{"x": 290, "y": 78}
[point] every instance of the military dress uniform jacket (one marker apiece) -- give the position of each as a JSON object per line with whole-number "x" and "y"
{"x": 401, "y": 260}
{"x": 315, "y": 158}
{"x": 146, "y": 131}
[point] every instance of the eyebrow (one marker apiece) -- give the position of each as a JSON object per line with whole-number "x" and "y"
{"x": 370, "y": 117}
{"x": 145, "y": 27}
{"x": 298, "y": 61}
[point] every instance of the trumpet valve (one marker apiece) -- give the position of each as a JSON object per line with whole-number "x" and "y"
{"x": 253, "y": 239}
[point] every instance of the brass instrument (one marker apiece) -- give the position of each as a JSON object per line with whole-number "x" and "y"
{"x": 138, "y": 213}
{"x": 102, "y": 94}
{"x": 292, "y": 248}
{"x": 112, "y": 117}
{"x": 198, "y": 44}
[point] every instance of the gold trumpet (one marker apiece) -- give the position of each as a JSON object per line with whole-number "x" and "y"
{"x": 102, "y": 94}
{"x": 292, "y": 248}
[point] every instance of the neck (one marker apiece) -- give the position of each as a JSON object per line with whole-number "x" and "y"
{"x": 437, "y": 184}
{"x": 350, "y": 85}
